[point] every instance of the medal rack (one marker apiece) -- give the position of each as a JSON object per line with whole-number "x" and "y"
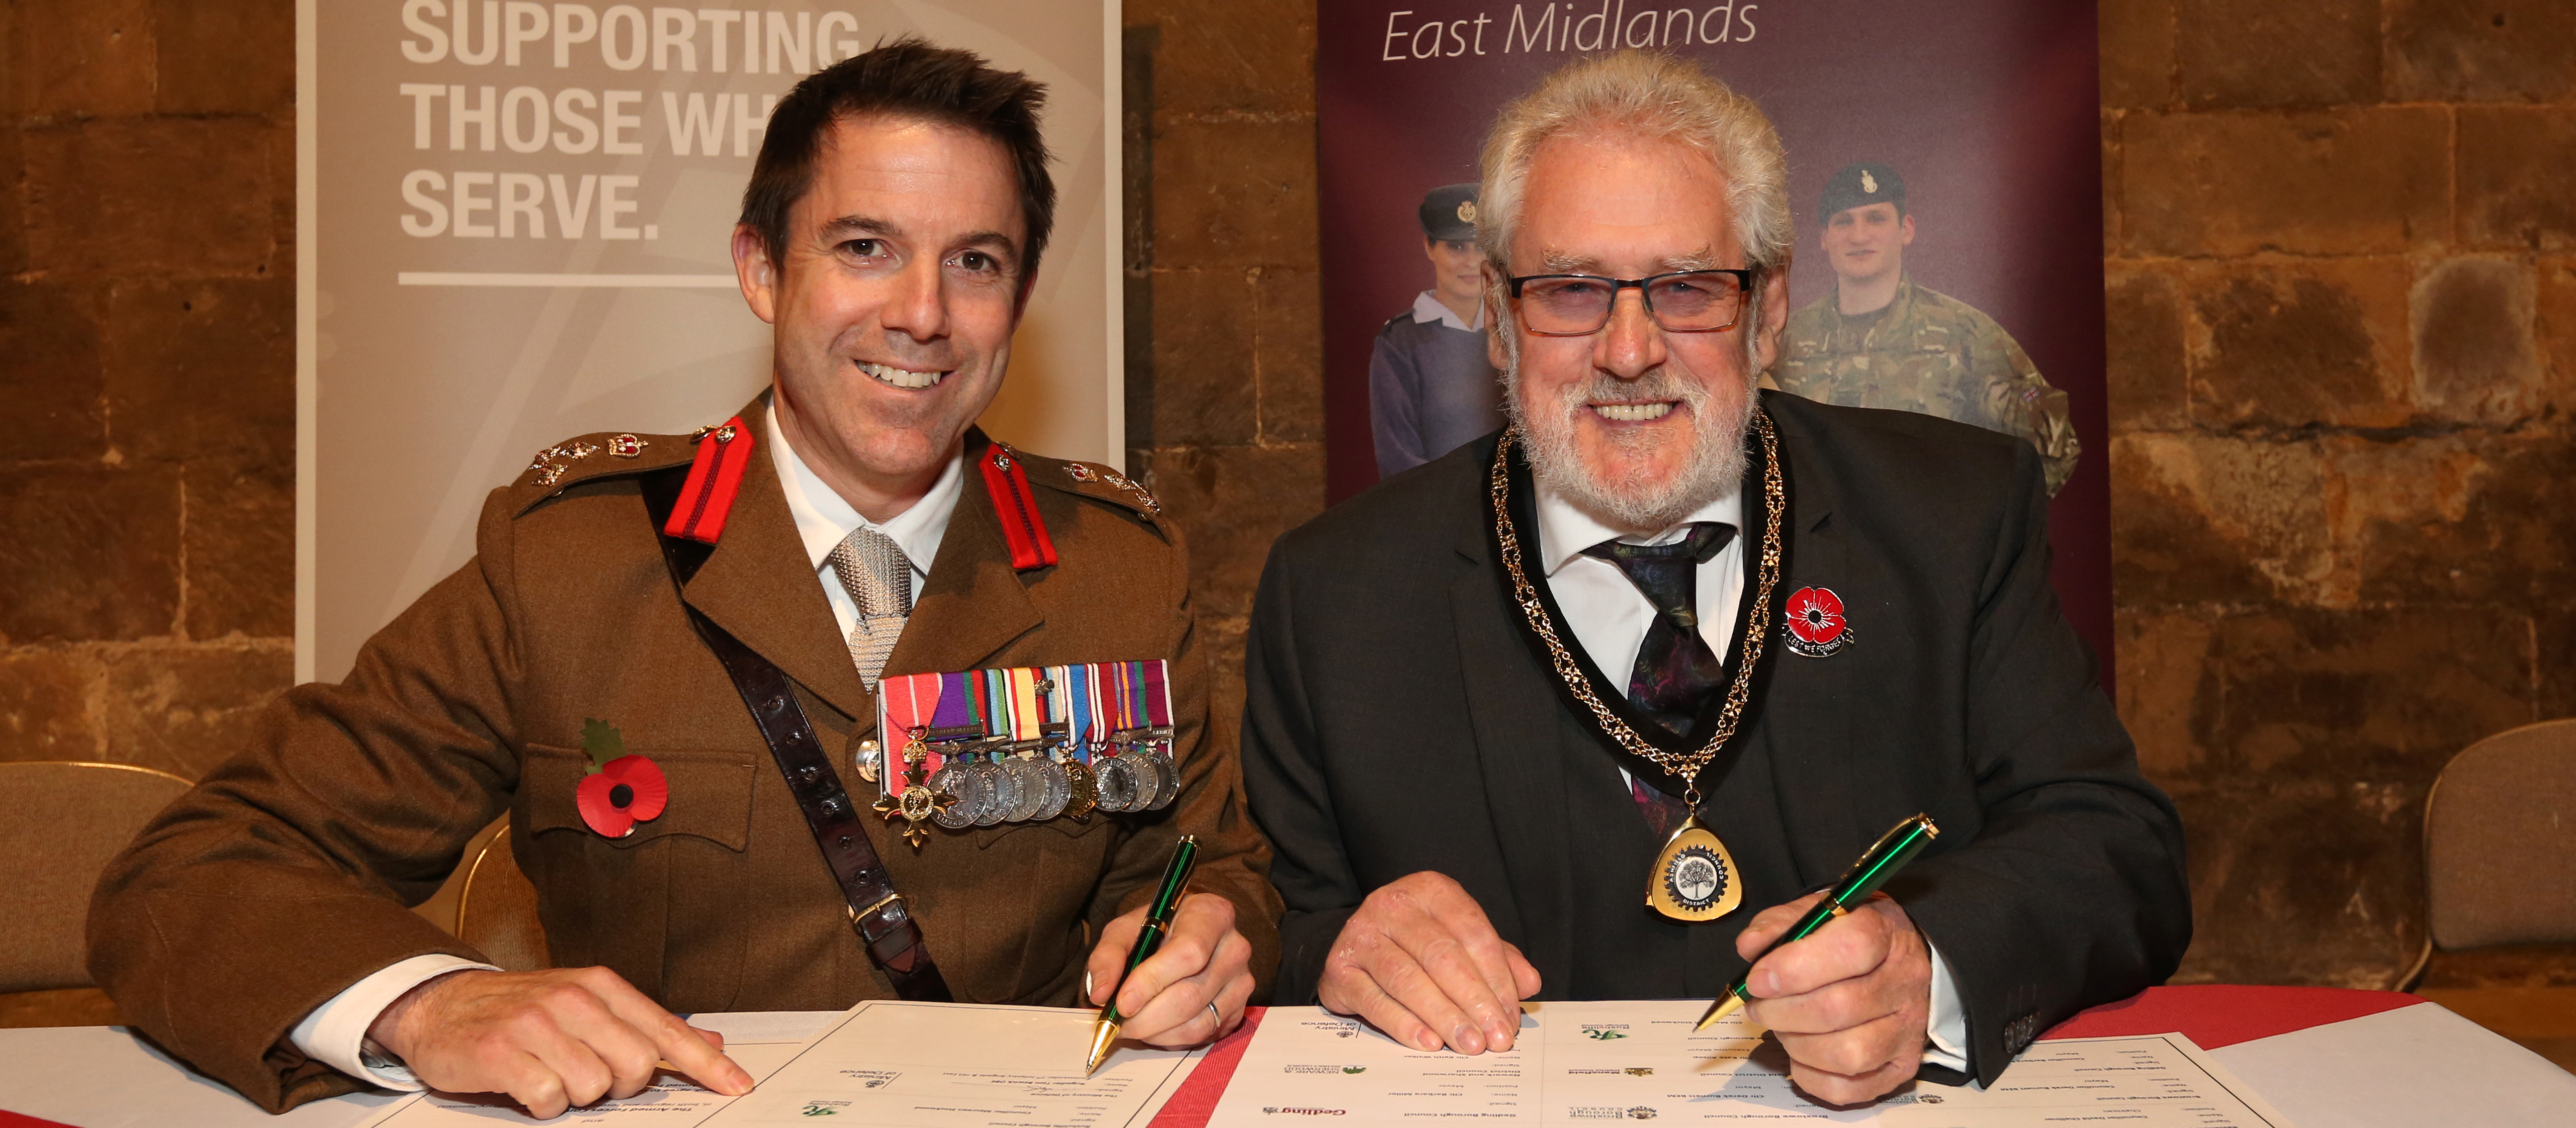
{"x": 979, "y": 748}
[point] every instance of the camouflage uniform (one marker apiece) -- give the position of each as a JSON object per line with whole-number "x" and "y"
{"x": 1932, "y": 353}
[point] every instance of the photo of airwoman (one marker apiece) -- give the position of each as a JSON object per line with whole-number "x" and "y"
{"x": 1431, "y": 388}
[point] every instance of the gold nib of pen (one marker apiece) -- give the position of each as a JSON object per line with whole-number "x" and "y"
{"x": 1725, "y": 1005}
{"x": 1104, "y": 1034}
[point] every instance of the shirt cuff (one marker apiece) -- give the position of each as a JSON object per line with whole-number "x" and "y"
{"x": 1948, "y": 1028}
{"x": 335, "y": 1033}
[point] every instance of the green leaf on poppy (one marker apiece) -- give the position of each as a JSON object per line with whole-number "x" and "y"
{"x": 600, "y": 739}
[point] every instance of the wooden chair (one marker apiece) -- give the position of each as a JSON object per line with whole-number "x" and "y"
{"x": 488, "y": 903}
{"x": 496, "y": 910}
{"x": 2500, "y": 869}
{"x": 70, "y": 819}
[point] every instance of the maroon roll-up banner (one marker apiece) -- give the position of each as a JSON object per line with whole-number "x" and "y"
{"x": 1967, "y": 130}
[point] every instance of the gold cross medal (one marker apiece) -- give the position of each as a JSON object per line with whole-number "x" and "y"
{"x": 909, "y": 704}
{"x": 916, "y": 802}
{"x": 1694, "y": 876}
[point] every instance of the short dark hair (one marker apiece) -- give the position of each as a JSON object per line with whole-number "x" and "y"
{"x": 911, "y": 78}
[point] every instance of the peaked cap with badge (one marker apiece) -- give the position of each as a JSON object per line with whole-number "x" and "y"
{"x": 1859, "y": 185}
{"x": 1448, "y": 213}
{"x": 356, "y": 798}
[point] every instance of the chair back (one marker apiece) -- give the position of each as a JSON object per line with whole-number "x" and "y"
{"x": 496, "y": 912}
{"x": 2500, "y": 841}
{"x": 68, "y": 821}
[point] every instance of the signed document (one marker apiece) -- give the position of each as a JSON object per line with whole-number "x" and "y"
{"x": 1588, "y": 1062}
{"x": 915, "y": 1065}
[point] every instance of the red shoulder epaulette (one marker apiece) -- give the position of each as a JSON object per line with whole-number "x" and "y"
{"x": 715, "y": 479}
{"x": 1008, "y": 482}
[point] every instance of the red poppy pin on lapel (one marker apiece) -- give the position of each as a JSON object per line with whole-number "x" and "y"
{"x": 621, "y": 790}
{"x": 1817, "y": 628}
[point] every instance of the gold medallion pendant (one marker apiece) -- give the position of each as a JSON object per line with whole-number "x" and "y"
{"x": 1694, "y": 878}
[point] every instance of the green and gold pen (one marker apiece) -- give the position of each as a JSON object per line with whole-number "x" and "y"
{"x": 1881, "y": 862}
{"x": 1158, "y": 922}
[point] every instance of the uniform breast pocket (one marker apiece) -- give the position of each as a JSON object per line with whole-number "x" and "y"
{"x": 1036, "y": 880}
{"x": 657, "y": 904}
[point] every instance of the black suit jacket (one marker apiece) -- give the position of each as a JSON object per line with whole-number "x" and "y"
{"x": 1398, "y": 722}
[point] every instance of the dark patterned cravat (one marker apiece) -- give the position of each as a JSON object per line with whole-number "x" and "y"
{"x": 1675, "y": 670}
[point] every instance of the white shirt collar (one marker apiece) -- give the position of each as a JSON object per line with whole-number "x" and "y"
{"x": 1564, "y": 531}
{"x": 823, "y": 518}
{"x": 1427, "y": 308}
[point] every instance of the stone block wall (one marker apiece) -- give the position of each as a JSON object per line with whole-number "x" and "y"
{"x": 2342, "y": 296}
{"x": 147, "y": 355}
{"x": 2342, "y": 286}
{"x": 1226, "y": 385}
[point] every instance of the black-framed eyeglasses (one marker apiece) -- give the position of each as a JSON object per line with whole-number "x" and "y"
{"x": 1683, "y": 301}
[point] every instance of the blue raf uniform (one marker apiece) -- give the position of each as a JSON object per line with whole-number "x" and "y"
{"x": 1431, "y": 387}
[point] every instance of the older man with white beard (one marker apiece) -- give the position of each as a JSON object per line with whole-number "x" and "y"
{"x": 1593, "y": 707}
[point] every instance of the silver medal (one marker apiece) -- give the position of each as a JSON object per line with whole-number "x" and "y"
{"x": 1117, "y": 783}
{"x": 1059, "y": 790}
{"x": 1000, "y": 792}
{"x": 953, "y": 778}
{"x": 1149, "y": 782}
{"x": 1167, "y": 770}
{"x": 1028, "y": 788}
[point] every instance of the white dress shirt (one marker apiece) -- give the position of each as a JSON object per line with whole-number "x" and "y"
{"x": 335, "y": 1032}
{"x": 823, "y": 518}
{"x": 1428, "y": 308}
{"x": 1609, "y": 618}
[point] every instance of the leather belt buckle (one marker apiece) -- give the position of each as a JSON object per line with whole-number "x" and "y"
{"x": 860, "y": 918}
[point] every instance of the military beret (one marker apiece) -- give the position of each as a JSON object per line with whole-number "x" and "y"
{"x": 1448, "y": 213}
{"x": 1861, "y": 184}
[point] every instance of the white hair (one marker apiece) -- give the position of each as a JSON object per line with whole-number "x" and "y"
{"x": 1652, "y": 95}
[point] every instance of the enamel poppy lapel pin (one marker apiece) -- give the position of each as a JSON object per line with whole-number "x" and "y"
{"x": 1817, "y": 628}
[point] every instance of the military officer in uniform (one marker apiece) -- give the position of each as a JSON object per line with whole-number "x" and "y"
{"x": 848, "y": 524}
{"x": 1880, "y": 340}
{"x": 1431, "y": 387}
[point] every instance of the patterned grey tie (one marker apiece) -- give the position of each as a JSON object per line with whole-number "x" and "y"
{"x": 878, "y": 576}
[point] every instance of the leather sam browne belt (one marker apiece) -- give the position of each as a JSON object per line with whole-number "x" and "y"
{"x": 877, "y": 912}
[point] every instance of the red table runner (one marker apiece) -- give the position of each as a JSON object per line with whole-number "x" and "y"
{"x": 2214, "y": 1016}
{"x": 2211, "y": 1016}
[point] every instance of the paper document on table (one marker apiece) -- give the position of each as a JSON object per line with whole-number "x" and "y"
{"x": 914, "y": 1065}
{"x": 1583, "y": 1062}
{"x": 670, "y": 1100}
{"x": 955, "y": 1065}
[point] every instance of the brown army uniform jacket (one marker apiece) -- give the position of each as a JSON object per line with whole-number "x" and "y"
{"x": 282, "y": 877}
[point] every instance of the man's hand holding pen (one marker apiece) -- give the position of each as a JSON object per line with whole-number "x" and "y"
{"x": 1190, "y": 991}
{"x": 1850, "y": 1002}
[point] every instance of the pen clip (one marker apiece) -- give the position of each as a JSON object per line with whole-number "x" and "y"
{"x": 1877, "y": 853}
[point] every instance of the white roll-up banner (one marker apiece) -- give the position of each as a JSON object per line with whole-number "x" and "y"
{"x": 513, "y": 222}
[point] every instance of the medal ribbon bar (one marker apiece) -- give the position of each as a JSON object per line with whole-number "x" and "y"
{"x": 1026, "y": 712}
{"x": 1092, "y": 710}
{"x": 905, "y": 704}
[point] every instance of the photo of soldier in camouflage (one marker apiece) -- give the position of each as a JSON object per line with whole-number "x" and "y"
{"x": 1881, "y": 340}
{"x": 1431, "y": 387}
